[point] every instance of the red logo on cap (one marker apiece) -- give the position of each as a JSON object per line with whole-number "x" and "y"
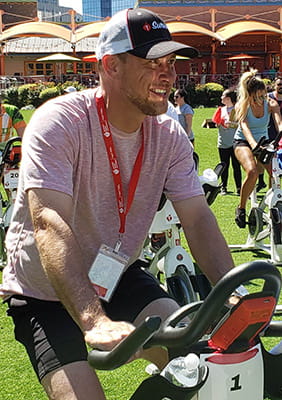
{"x": 147, "y": 27}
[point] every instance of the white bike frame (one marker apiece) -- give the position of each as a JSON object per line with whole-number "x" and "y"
{"x": 265, "y": 219}
{"x": 10, "y": 179}
{"x": 172, "y": 256}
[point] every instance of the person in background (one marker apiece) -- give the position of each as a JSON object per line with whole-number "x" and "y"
{"x": 171, "y": 111}
{"x": 276, "y": 94}
{"x": 94, "y": 166}
{"x": 224, "y": 117}
{"x": 10, "y": 119}
{"x": 253, "y": 110}
{"x": 185, "y": 113}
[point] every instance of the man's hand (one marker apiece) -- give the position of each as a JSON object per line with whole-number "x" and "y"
{"x": 106, "y": 334}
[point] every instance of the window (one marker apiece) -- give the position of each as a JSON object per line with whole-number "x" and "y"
{"x": 231, "y": 67}
{"x": 194, "y": 69}
{"x": 244, "y": 66}
{"x": 84, "y": 68}
{"x": 275, "y": 61}
{"x": 35, "y": 68}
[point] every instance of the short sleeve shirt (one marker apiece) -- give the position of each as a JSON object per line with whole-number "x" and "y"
{"x": 63, "y": 150}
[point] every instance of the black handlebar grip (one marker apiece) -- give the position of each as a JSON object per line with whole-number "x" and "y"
{"x": 124, "y": 350}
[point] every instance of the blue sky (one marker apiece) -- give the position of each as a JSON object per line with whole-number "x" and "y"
{"x": 75, "y": 4}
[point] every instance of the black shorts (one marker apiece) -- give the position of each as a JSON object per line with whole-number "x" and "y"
{"x": 52, "y": 338}
{"x": 240, "y": 143}
{"x": 244, "y": 143}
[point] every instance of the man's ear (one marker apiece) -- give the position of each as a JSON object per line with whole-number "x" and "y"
{"x": 110, "y": 64}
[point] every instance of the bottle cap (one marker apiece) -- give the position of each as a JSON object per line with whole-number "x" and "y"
{"x": 192, "y": 361}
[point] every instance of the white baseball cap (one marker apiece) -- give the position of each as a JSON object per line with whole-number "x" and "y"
{"x": 139, "y": 32}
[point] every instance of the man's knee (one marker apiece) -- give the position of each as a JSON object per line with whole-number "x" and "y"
{"x": 75, "y": 381}
{"x": 162, "y": 307}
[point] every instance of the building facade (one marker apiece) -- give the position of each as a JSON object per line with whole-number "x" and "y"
{"x": 231, "y": 36}
{"x": 95, "y": 10}
{"x": 15, "y": 12}
{"x": 49, "y": 10}
{"x": 248, "y": 35}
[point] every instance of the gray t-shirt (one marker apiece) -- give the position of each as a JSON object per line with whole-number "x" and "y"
{"x": 182, "y": 111}
{"x": 63, "y": 150}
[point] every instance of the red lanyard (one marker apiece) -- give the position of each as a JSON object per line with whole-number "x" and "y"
{"x": 108, "y": 139}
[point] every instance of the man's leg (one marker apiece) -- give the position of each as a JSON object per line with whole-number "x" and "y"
{"x": 224, "y": 157}
{"x": 163, "y": 307}
{"x": 75, "y": 381}
{"x": 56, "y": 349}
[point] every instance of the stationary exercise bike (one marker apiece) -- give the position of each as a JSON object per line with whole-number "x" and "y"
{"x": 171, "y": 263}
{"x": 234, "y": 365}
{"x": 9, "y": 174}
{"x": 265, "y": 216}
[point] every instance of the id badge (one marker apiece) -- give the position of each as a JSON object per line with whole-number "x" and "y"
{"x": 107, "y": 270}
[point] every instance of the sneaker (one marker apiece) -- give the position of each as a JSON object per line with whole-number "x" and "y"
{"x": 240, "y": 217}
{"x": 223, "y": 191}
{"x": 259, "y": 186}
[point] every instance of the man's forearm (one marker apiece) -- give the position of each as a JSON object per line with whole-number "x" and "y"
{"x": 63, "y": 262}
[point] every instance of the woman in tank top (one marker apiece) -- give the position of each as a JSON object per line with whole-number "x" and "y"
{"x": 253, "y": 111}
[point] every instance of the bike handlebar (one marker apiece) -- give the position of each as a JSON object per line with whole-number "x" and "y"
{"x": 170, "y": 335}
{"x": 125, "y": 349}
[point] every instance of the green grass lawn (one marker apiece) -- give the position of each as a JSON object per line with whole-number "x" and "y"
{"x": 18, "y": 381}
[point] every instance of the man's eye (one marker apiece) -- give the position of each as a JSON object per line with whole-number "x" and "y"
{"x": 157, "y": 62}
{"x": 154, "y": 63}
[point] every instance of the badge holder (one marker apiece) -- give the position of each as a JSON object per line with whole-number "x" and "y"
{"x": 107, "y": 270}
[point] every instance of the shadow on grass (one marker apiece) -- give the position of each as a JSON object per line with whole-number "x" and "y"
{"x": 257, "y": 253}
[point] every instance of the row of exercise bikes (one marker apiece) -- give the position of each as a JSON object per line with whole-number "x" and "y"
{"x": 233, "y": 362}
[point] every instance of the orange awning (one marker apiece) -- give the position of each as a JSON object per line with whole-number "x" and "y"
{"x": 90, "y": 58}
{"x": 242, "y": 56}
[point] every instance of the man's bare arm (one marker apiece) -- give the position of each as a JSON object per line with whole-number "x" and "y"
{"x": 62, "y": 260}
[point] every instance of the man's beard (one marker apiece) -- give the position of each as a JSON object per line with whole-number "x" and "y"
{"x": 147, "y": 107}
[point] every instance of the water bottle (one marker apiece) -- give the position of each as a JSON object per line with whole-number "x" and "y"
{"x": 183, "y": 371}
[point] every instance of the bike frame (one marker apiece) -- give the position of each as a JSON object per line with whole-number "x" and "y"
{"x": 180, "y": 277}
{"x": 172, "y": 260}
{"x": 234, "y": 364}
{"x": 9, "y": 171}
{"x": 265, "y": 219}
